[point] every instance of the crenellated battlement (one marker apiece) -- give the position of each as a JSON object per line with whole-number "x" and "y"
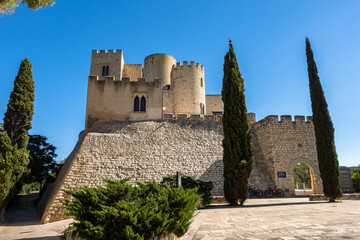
{"x": 192, "y": 117}
{"x": 186, "y": 64}
{"x": 286, "y": 119}
{"x": 110, "y": 51}
{"x": 123, "y": 80}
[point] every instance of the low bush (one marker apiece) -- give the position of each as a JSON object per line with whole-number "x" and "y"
{"x": 125, "y": 211}
{"x": 188, "y": 182}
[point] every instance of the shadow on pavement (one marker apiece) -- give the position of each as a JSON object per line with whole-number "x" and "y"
{"x": 212, "y": 206}
{"x": 41, "y": 238}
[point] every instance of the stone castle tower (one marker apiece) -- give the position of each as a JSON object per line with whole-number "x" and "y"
{"x": 127, "y": 92}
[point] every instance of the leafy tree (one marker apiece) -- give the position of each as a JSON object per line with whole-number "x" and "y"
{"x": 356, "y": 181}
{"x": 42, "y": 156}
{"x": 302, "y": 175}
{"x": 237, "y": 141}
{"x": 125, "y": 211}
{"x": 324, "y": 132}
{"x": 13, "y": 139}
{"x": 8, "y": 6}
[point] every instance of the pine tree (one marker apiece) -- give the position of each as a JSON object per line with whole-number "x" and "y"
{"x": 20, "y": 109}
{"x": 237, "y": 141}
{"x": 324, "y": 132}
{"x": 14, "y": 157}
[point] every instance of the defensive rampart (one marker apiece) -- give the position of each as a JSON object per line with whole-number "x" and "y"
{"x": 191, "y": 144}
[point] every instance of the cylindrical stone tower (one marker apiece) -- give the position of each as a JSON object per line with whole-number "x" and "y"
{"x": 188, "y": 85}
{"x": 158, "y": 66}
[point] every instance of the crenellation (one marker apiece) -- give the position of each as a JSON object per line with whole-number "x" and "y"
{"x": 285, "y": 118}
{"x": 185, "y": 63}
{"x": 102, "y": 51}
{"x": 111, "y": 51}
{"x": 272, "y": 118}
{"x": 309, "y": 119}
{"x": 299, "y": 119}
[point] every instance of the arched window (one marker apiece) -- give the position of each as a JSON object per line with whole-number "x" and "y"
{"x": 136, "y": 104}
{"x": 103, "y": 72}
{"x": 107, "y": 71}
{"x": 143, "y": 104}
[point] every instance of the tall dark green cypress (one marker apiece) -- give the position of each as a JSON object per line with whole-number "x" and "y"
{"x": 20, "y": 109}
{"x": 14, "y": 157}
{"x": 237, "y": 143}
{"x": 324, "y": 132}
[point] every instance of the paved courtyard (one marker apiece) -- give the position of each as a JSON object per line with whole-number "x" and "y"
{"x": 287, "y": 218}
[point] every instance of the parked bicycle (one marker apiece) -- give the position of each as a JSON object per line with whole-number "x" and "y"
{"x": 255, "y": 192}
{"x": 274, "y": 192}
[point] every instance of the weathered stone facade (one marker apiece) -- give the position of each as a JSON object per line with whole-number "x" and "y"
{"x": 115, "y": 88}
{"x": 147, "y": 150}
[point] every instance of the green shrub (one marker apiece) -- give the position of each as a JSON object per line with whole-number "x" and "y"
{"x": 356, "y": 181}
{"x": 124, "y": 211}
{"x": 187, "y": 182}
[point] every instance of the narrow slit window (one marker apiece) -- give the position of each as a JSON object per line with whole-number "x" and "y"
{"x": 202, "y": 82}
{"x": 103, "y": 72}
{"x": 136, "y": 104}
{"x": 107, "y": 71}
{"x": 143, "y": 104}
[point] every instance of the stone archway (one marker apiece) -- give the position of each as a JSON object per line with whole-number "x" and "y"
{"x": 316, "y": 183}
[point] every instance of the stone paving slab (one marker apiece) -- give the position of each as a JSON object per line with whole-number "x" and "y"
{"x": 286, "y": 218}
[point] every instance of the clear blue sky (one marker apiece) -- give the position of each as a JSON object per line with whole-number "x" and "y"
{"x": 268, "y": 37}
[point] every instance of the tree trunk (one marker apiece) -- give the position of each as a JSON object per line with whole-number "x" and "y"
{"x": 332, "y": 199}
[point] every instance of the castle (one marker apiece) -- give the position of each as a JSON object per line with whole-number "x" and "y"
{"x": 148, "y": 123}
{"x": 128, "y": 92}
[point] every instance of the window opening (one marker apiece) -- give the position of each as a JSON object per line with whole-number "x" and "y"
{"x": 143, "y": 104}
{"x": 136, "y": 104}
{"x": 103, "y": 72}
{"x": 107, "y": 71}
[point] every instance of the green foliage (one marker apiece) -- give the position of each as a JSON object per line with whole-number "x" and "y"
{"x": 8, "y": 6}
{"x": 13, "y": 163}
{"x": 356, "y": 181}
{"x": 302, "y": 175}
{"x": 30, "y": 187}
{"x": 124, "y": 211}
{"x": 324, "y": 132}
{"x": 237, "y": 141}
{"x": 20, "y": 109}
{"x": 203, "y": 187}
{"x": 14, "y": 157}
{"x": 42, "y": 156}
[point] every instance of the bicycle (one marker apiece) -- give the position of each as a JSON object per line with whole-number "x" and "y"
{"x": 273, "y": 191}
{"x": 253, "y": 191}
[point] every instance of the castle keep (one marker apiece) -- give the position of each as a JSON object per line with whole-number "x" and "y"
{"x": 128, "y": 92}
{"x": 149, "y": 122}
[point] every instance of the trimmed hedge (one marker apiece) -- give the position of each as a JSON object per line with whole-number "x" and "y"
{"x": 125, "y": 211}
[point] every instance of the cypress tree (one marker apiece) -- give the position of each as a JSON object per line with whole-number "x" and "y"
{"x": 237, "y": 143}
{"x": 324, "y": 132}
{"x": 14, "y": 157}
{"x": 20, "y": 109}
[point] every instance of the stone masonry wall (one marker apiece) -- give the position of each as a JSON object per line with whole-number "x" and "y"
{"x": 147, "y": 150}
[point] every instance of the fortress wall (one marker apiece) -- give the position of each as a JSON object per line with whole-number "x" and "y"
{"x": 147, "y": 150}
{"x": 114, "y": 100}
{"x": 168, "y": 103}
{"x": 188, "y": 84}
{"x": 213, "y": 104}
{"x": 285, "y": 143}
{"x": 113, "y": 59}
